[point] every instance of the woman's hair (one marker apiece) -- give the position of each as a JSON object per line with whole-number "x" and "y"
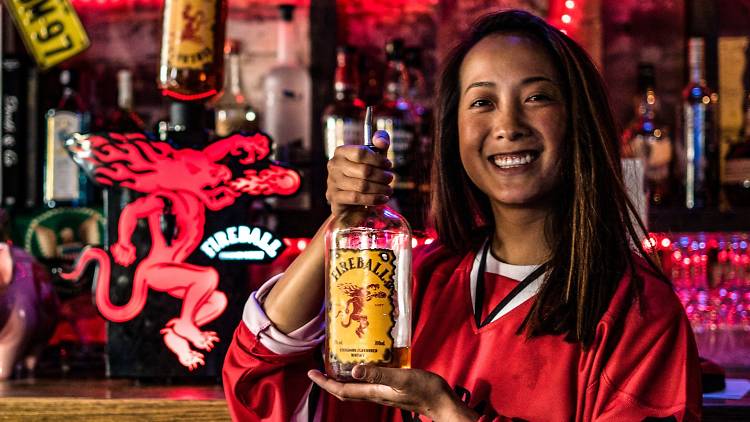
{"x": 592, "y": 222}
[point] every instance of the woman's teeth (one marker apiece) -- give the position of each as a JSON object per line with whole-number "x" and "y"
{"x": 509, "y": 161}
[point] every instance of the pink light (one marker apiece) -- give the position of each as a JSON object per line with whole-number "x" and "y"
{"x": 414, "y": 243}
{"x": 677, "y": 255}
{"x": 570, "y": 4}
{"x": 564, "y": 31}
{"x": 566, "y": 18}
{"x": 686, "y": 261}
{"x": 301, "y": 244}
{"x": 665, "y": 242}
{"x": 428, "y": 241}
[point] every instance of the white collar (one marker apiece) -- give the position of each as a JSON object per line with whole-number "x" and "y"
{"x": 515, "y": 272}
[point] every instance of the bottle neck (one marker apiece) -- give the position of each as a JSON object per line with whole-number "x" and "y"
{"x": 234, "y": 75}
{"x": 125, "y": 95}
{"x": 345, "y": 82}
{"x": 647, "y": 104}
{"x": 285, "y": 50}
{"x": 696, "y": 60}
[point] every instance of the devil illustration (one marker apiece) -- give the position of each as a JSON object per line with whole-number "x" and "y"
{"x": 181, "y": 183}
{"x": 358, "y": 296}
{"x": 191, "y": 31}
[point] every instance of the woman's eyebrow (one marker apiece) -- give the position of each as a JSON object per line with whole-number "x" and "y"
{"x": 527, "y": 81}
{"x": 479, "y": 85}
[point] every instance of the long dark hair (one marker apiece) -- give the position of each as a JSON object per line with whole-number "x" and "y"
{"x": 592, "y": 222}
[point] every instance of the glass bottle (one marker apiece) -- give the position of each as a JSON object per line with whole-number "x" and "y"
{"x": 64, "y": 182}
{"x": 233, "y": 113}
{"x": 647, "y": 139}
{"x": 701, "y": 149}
{"x": 124, "y": 119}
{"x": 368, "y": 288}
{"x": 736, "y": 182}
{"x": 191, "y": 63}
{"x": 288, "y": 113}
{"x": 395, "y": 115}
{"x": 343, "y": 119}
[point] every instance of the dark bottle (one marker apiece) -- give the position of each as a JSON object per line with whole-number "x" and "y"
{"x": 343, "y": 119}
{"x": 700, "y": 140}
{"x": 64, "y": 182}
{"x": 395, "y": 115}
{"x": 736, "y": 183}
{"x": 191, "y": 63}
{"x": 647, "y": 139}
{"x": 124, "y": 119}
{"x": 232, "y": 111}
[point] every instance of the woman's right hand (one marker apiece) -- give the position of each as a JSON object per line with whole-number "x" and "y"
{"x": 357, "y": 175}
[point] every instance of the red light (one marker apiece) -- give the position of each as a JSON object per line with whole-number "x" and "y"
{"x": 191, "y": 97}
{"x": 570, "y": 4}
{"x": 665, "y": 242}
{"x": 686, "y": 261}
{"x": 301, "y": 244}
{"x": 566, "y": 18}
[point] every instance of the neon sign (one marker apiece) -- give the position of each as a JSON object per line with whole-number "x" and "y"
{"x": 178, "y": 185}
{"x": 269, "y": 246}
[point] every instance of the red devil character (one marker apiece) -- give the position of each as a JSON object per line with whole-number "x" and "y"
{"x": 184, "y": 183}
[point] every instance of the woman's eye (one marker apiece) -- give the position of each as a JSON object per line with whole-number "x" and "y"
{"x": 480, "y": 103}
{"x": 538, "y": 98}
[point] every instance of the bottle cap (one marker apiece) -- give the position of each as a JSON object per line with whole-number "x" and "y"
{"x": 287, "y": 12}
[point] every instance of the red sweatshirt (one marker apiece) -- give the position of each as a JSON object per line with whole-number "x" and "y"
{"x": 643, "y": 362}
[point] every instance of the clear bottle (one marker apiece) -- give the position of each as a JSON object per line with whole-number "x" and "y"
{"x": 343, "y": 119}
{"x": 64, "y": 182}
{"x": 701, "y": 147}
{"x": 124, "y": 119}
{"x": 396, "y": 116}
{"x": 646, "y": 138}
{"x": 191, "y": 61}
{"x": 736, "y": 181}
{"x": 233, "y": 113}
{"x": 367, "y": 289}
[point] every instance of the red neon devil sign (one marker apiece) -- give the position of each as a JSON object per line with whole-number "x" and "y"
{"x": 183, "y": 183}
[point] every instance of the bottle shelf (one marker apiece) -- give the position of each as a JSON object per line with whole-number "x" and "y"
{"x": 682, "y": 220}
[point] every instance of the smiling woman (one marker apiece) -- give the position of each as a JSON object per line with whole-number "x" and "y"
{"x": 533, "y": 304}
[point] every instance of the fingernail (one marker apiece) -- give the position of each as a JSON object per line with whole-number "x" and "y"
{"x": 358, "y": 372}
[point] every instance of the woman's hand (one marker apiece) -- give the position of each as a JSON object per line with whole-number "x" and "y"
{"x": 413, "y": 390}
{"x": 358, "y": 175}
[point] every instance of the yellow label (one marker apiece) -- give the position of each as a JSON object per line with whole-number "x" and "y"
{"x": 50, "y": 29}
{"x": 361, "y": 314}
{"x": 190, "y": 32}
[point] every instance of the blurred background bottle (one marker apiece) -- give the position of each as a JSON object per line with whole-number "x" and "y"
{"x": 232, "y": 110}
{"x": 343, "y": 119}
{"x": 648, "y": 139}
{"x": 736, "y": 182}
{"x": 191, "y": 62}
{"x": 124, "y": 119}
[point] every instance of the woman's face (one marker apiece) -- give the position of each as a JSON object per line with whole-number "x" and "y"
{"x": 511, "y": 120}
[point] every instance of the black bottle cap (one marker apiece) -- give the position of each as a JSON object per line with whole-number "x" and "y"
{"x": 287, "y": 12}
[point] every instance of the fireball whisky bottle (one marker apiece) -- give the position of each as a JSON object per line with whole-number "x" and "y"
{"x": 368, "y": 288}
{"x": 191, "y": 64}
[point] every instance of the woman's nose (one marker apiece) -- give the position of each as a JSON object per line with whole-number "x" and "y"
{"x": 509, "y": 124}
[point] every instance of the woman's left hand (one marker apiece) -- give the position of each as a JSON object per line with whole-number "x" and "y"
{"x": 413, "y": 390}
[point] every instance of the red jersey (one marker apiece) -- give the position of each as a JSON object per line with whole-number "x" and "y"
{"x": 642, "y": 364}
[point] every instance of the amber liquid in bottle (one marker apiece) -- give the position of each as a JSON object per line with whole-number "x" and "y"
{"x": 191, "y": 65}
{"x": 367, "y": 288}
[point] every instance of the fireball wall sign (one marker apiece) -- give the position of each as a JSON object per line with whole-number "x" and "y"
{"x": 179, "y": 186}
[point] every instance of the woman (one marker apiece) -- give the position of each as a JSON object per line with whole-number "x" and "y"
{"x": 534, "y": 215}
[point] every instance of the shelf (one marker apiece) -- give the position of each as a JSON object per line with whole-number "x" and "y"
{"x": 681, "y": 220}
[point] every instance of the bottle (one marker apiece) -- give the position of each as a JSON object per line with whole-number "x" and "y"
{"x": 124, "y": 119}
{"x": 64, "y": 182}
{"x": 344, "y": 118}
{"x": 395, "y": 115}
{"x": 191, "y": 61}
{"x": 645, "y": 138}
{"x": 736, "y": 182}
{"x": 367, "y": 288}
{"x": 233, "y": 113}
{"x": 288, "y": 113}
{"x": 701, "y": 149}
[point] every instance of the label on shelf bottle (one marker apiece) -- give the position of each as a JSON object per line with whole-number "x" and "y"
{"x": 190, "y": 34}
{"x": 361, "y": 305}
{"x": 61, "y": 173}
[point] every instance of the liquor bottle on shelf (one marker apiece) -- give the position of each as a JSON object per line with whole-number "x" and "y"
{"x": 645, "y": 138}
{"x": 343, "y": 119}
{"x": 288, "y": 113}
{"x": 700, "y": 140}
{"x": 232, "y": 111}
{"x": 124, "y": 119}
{"x": 395, "y": 115}
{"x": 368, "y": 260}
{"x": 736, "y": 182}
{"x": 191, "y": 63}
{"x": 64, "y": 182}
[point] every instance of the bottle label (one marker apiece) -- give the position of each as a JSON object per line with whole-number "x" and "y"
{"x": 361, "y": 312}
{"x": 61, "y": 183}
{"x": 190, "y": 33}
{"x": 737, "y": 171}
